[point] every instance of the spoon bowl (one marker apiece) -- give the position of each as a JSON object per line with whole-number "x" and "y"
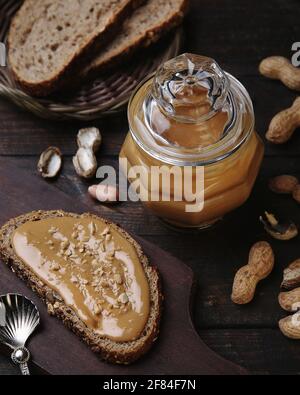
{"x": 19, "y": 317}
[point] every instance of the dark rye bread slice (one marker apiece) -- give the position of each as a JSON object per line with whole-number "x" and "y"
{"x": 49, "y": 39}
{"x": 111, "y": 351}
{"x": 144, "y": 27}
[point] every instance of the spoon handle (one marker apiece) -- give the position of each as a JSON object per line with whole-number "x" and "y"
{"x": 24, "y": 369}
{"x": 21, "y": 356}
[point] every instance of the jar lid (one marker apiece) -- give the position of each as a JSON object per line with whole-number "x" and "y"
{"x": 190, "y": 112}
{"x": 190, "y": 88}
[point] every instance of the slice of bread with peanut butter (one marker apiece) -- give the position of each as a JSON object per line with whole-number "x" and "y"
{"x": 92, "y": 275}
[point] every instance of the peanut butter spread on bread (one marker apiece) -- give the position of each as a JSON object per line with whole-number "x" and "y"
{"x": 93, "y": 268}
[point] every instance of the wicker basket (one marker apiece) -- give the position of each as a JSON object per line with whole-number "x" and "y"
{"x": 105, "y": 95}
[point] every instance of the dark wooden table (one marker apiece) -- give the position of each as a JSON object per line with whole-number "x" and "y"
{"x": 237, "y": 33}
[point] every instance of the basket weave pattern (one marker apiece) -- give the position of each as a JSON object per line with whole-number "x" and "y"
{"x": 105, "y": 95}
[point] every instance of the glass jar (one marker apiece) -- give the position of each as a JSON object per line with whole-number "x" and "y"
{"x": 191, "y": 115}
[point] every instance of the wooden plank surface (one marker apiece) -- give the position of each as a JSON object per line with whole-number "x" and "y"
{"x": 238, "y": 34}
{"x": 56, "y": 350}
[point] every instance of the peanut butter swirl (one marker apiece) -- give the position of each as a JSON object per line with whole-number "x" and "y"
{"x": 94, "y": 269}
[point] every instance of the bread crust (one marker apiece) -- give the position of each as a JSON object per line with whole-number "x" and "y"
{"x": 79, "y": 58}
{"x": 151, "y": 37}
{"x": 108, "y": 350}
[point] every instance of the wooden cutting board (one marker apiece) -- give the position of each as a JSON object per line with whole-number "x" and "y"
{"x": 56, "y": 350}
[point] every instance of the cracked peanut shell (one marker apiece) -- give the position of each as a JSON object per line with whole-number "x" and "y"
{"x": 50, "y": 162}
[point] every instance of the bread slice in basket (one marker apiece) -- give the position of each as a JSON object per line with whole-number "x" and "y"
{"x": 145, "y": 26}
{"x": 109, "y": 349}
{"x": 49, "y": 39}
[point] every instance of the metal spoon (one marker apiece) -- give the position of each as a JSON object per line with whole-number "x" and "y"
{"x": 18, "y": 319}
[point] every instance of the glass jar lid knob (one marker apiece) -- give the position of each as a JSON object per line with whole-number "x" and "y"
{"x": 190, "y": 88}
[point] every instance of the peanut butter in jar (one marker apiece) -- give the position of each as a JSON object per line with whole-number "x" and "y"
{"x": 195, "y": 122}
